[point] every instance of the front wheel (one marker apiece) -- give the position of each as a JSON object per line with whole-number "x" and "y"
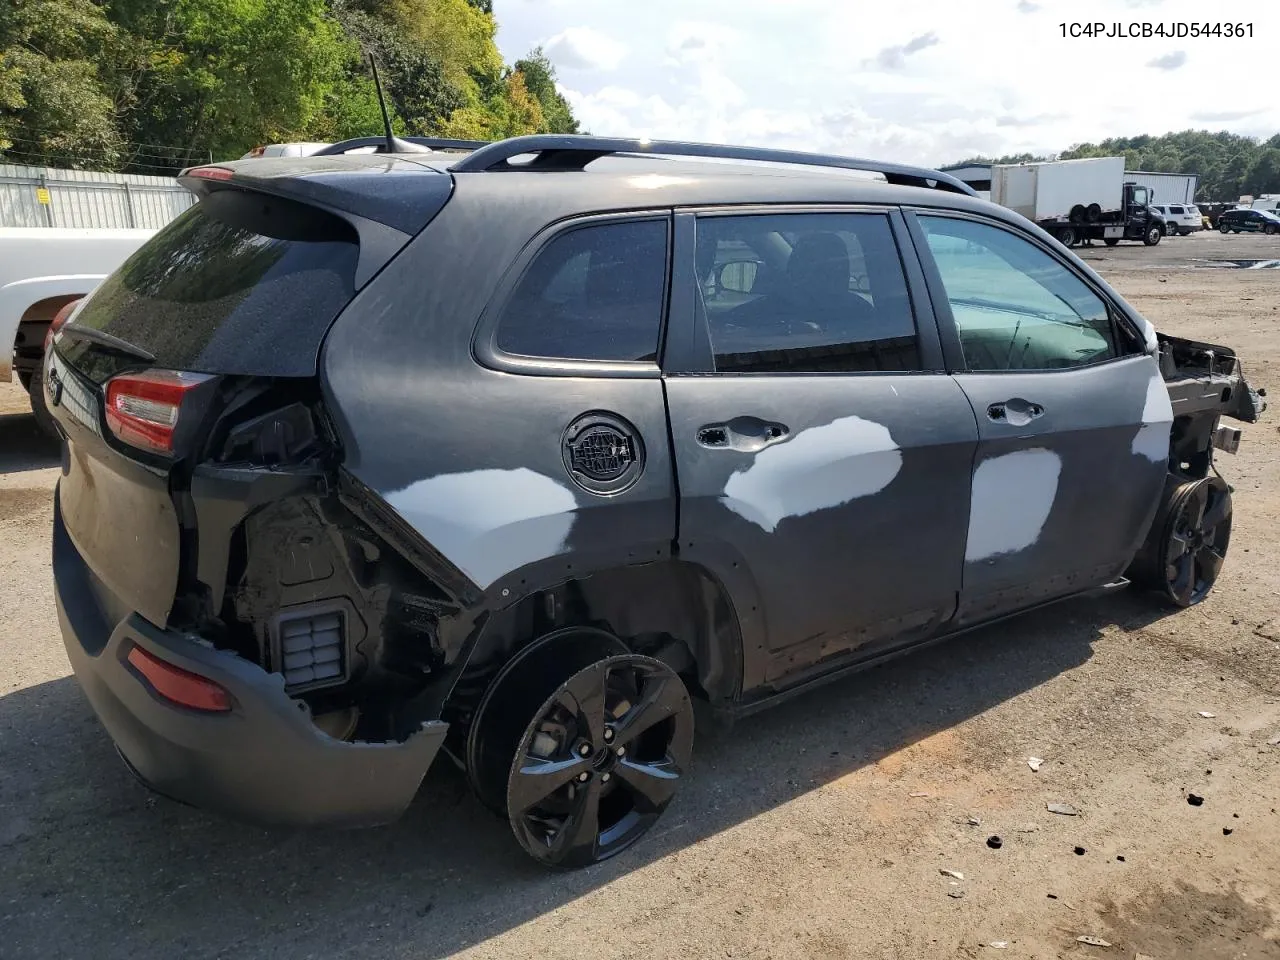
{"x": 1067, "y": 236}
{"x": 1188, "y": 543}
{"x": 1153, "y": 236}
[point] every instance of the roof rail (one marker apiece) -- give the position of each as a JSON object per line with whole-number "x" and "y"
{"x": 434, "y": 143}
{"x": 571, "y": 152}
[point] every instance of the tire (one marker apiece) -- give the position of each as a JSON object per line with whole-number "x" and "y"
{"x": 1094, "y": 213}
{"x": 1110, "y": 241}
{"x": 580, "y": 745}
{"x": 1077, "y": 214}
{"x": 1170, "y": 229}
{"x": 1068, "y": 236}
{"x": 1223, "y": 229}
{"x": 1268, "y": 230}
{"x": 1154, "y": 233}
{"x": 1188, "y": 542}
{"x": 35, "y": 390}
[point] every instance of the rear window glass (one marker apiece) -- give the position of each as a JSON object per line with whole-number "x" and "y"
{"x": 594, "y": 293}
{"x": 241, "y": 283}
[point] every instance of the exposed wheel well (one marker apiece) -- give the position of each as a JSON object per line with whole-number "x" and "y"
{"x": 29, "y": 343}
{"x": 672, "y": 611}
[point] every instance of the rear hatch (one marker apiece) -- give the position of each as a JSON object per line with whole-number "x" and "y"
{"x": 216, "y": 323}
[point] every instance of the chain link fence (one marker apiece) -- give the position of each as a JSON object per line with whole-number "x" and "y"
{"x": 49, "y": 197}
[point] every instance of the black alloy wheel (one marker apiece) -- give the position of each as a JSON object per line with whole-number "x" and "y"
{"x": 600, "y": 761}
{"x": 1196, "y": 535}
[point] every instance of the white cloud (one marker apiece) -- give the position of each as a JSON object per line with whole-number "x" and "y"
{"x": 1169, "y": 61}
{"x": 817, "y": 75}
{"x": 582, "y": 48}
{"x": 895, "y": 57}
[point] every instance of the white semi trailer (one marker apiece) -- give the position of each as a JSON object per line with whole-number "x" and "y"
{"x": 1078, "y": 200}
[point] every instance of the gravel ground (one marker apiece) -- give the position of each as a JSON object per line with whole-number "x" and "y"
{"x": 817, "y": 830}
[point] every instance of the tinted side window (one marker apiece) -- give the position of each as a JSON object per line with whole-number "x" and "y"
{"x": 805, "y": 293}
{"x": 1016, "y": 307}
{"x": 594, "y": 293}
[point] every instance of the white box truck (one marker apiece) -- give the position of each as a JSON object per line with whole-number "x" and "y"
{"x": 1077, "y": 200}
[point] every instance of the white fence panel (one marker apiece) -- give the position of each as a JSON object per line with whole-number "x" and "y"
{"x": 83, "y": 198}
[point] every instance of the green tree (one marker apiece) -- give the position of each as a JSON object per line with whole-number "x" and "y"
{"x": 540, "y": 79}
{"x": 56, "y": 105}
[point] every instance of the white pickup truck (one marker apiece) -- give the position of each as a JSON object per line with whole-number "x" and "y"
{"x": 41, "y": 270}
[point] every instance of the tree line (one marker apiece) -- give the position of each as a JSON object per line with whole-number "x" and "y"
{"x": 1229, "y": 165}
{"x": 150, "y": 86}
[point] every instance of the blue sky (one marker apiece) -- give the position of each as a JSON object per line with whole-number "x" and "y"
{"x": 920, "y": 81}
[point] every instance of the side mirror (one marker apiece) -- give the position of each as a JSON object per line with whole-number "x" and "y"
{"x": 737, "y": 276}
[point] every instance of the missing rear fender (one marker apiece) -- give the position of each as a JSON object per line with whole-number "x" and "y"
{"x": 279, "y": 568}
{"x": 670, "y": 610}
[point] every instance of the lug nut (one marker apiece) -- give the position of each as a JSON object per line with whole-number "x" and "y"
{"x": 608, "y": 733}
{"x": 584, "y": 777}
{"x": 622, "y": 751}
{"x": 604, "y": 777}
{"x": 584, "y": 750}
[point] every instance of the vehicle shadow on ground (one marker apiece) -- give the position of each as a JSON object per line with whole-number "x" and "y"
{"x": 95, "y": 865}
{"x": 23, "y": 445}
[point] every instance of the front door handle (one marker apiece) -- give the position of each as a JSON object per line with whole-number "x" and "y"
{"x": 1016, "y": 412}
{"x": 744, "y": 434}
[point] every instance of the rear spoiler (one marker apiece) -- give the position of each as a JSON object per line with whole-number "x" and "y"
{"x": 387, "y": 200}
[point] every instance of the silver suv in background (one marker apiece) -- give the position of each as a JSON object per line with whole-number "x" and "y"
{"x": 1179, "y": 218}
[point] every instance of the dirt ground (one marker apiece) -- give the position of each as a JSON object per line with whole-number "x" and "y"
{"x": 817, "y": 830}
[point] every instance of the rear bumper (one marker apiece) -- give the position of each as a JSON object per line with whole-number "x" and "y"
{"x": 263, "y": 761}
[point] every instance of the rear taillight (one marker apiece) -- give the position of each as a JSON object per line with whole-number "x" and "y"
{"x": 59, "y": 319}
{"x": 211, "y": 173}
{"x": 180, "y": 686}
{"x": 143, "y": 408}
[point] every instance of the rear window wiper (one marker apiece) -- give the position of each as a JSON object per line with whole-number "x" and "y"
{"x": 77, "y": 332}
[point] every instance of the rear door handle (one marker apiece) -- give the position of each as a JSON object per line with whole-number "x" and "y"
{"x": 1016, "y": 412}
{"x": 744, "y": 434}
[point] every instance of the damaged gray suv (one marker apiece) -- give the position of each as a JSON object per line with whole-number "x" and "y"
{"x": 511, "y": 456}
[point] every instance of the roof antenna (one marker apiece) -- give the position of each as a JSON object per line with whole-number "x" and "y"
{"x": 394, "y": 143}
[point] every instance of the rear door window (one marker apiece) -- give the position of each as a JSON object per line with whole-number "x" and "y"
{"x": 805, "y": 293}
{"x": 595, "y": 292}
{"x": 242, "y": 283}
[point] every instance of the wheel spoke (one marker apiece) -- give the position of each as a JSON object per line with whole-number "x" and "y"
{"x": 1218, "y": 512}
{"x": 1177, "y": 546}
{"x": 652, "y": 785}
{"x": 585, "y": 700}
{"x": 579, "y": 834}
{"x": 1194, "y": 510}
{"x": 1210, "y": 561}
{"x": 1184, "y": 583}
{"x": 536, "y": 779}
{"x": 662, "y": 698}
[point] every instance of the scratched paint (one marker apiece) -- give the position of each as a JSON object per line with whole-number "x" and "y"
{"x": 489, "y": 522}
{"x": 1152, "y": 439}
{"x": 1012, "y": 497}
{"x": 819, "y": 468}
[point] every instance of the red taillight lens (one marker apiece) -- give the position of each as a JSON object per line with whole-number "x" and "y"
{"x": 59, "y": 319}
{"x": 143, "y": 408}
{"x": 180, "y": 686}
{"x": 211, "y": 173}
